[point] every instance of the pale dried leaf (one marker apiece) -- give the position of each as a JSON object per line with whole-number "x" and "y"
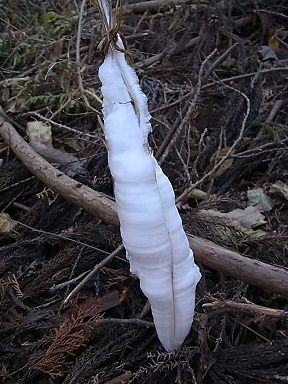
{"x": 259, "y": 199}
{"x": 39, "y": 132}
{"x": 273, "y": 42}
{"x": 40, "y": 139}
{"x": 267, "y": 53}
{"x": 215, "y": 158}
{"x": 197, "y": 194}
{"x": 6, "y": 223}
{"x": 249, "y": 217}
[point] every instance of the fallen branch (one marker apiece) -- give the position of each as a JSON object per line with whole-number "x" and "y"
{"x": 96, "y": 203}
{"x": 231, "y": 263}
{"x": 208, "y": 254}
{"x": 249, "y": 308}
{"x": 153, "y": 5}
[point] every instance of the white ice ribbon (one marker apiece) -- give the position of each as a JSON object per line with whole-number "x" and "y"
{"x": 151, "y": 228}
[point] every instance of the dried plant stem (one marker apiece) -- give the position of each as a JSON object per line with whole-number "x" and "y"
{"x": 271, "y": 13}
{"x": 230, "y": 263}
{"x": 229, "y": 152}
{"x": 274, "y": 111}
{"x": 61, "y": 237}
{"x": 191, "y": 43}
{"x": 62, "y": 126}
{"x": 139, "y": 322}
{"x": 219, "y": 60}
{"x": 244, "y": 76}
{"x": 174, "y": 133}
{"x": 93, "y": 272}
{"x": 78, "y": 62}
{"x": 93, "y": 201}
{"x": 222, "y": 81}
{"x": 67, "y": 283}
{"x": 152, "y": 5}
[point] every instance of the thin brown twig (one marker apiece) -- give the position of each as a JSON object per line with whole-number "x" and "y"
{"x": 195, "y": 163}
{"x": 191, "y": 43}
{"x": 273, "y": 13}
{"x": 61, "y": 237}
{"x": 139, "y": 322}
{"x": 219, "y": 60}
{"x": 18, "y": 182}
{"x": 218, "y": 82}
{"x": 152, "y": 5}
{"x": 62, "y": 126}
{"x": 174, "y": 133}
{"x": 229, "y": 152}
{"x": 244, "y": 76}
{"x": 159, "y": 56}
{"x": 69, "y": 282}
{"x": 252, "y": 151}
{"x": 78, "y": 62}
{"x": 247, "y": 307}
{"x": 93, "y": 272}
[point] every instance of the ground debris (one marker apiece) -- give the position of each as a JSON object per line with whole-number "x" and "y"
{"x": 47, "y": 243}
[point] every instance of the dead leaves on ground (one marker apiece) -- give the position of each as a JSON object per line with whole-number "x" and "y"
{"x": 74, "y": 333}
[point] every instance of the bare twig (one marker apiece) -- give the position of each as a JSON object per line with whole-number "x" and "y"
{"x": 18, "y": 182}
{"x": 274, "y": 111}
{"x": 229, "y": 152}
{"x": 219, "y": 60}
{"x": 62, "y": 126}
{"x": 191, "y": 43}
{"x": 252, "y": 152}
{"x": 69, "y": 282}
{"x": 271, "y": 13}
{"x": 93, "y": 272}
{"x": 195, "y": 163}
{"x": 244, "y": 76}
{"x": 260, "y": 150}
{"x": 225, "y": 80}
{"x": 247, "y": 307}
{"x": 174, "y": 133}
{"x": 78, "y": 62}
{"x": 159, "y": 56}
{"x": 61, "y": 237}
{"x": 139, "y": 322}
{"x": 152, "y": 5}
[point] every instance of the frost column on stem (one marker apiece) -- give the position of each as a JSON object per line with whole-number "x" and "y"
{"x": 151, "y": 228}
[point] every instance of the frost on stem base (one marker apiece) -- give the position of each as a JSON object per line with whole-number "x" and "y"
{"x": 151, "y": 228}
